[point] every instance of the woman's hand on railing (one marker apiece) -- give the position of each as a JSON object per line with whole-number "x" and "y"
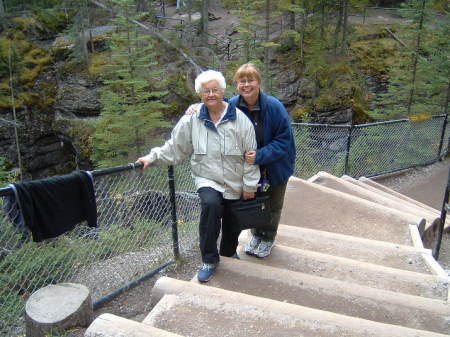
{"x": 146, "y": 163}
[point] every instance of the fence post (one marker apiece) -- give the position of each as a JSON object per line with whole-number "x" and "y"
{"x": 364, "y": 15}
{"x": 176, "y": 247}
{"x": 441, "y": 142}
{"x": 349, "y": 140}
{"x": 445, "y": 205}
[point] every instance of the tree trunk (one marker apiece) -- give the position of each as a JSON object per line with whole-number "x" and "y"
{"x": 2, "y": 13}
{"x": 416, "y": 58}
{"x": 13, "y": 104}
{"x": 291, "y": 25}
{"x": 266, "y": 49}
{"x": 338, "y": 25}
{"x": 142, "y": 6}
{"x": 322, "y": 24}
{"x": 292, "y": 17}
{"x": 205, "y": 7}
{"x": 303, "y": 32}
{"x": 344, "y": 27}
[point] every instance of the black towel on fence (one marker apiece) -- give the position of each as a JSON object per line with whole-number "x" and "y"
{"x": 53, "y": 206}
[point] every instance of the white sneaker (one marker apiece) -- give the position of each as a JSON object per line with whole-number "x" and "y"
{"x": 251, "y": 247}
{"x": 264, "y": 249}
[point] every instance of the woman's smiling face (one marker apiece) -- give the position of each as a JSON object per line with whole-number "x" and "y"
{"x": 248, "y": 87}
{"x": 212, "y": 94}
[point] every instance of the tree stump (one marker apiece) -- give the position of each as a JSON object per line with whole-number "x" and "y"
{"x": 56, "y": 308}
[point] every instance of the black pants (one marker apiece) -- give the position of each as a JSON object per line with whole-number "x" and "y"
{"x": 214, "y": 215}
{"x": 276, "y": 204}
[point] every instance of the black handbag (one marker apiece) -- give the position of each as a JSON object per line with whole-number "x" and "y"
{"x": 253, "y": 213}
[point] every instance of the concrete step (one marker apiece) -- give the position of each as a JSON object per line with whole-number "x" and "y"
{"x": 191, "y": 309}
{"x": 374, "y": 186}
{"x": 108, "y": 325}
{"x": 379, "y": 187}
{"x": 353, "y": 187}
{"x": 377, "y": 252}
{"x": 332, "y": 295}
{"x": 352, "y": 271}
{"x": 313, "y": 206}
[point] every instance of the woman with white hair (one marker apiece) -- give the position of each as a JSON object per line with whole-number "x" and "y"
{"x": 216, "y": 139}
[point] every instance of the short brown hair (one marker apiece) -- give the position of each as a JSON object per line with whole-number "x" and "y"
{"x": 247, "y": 70}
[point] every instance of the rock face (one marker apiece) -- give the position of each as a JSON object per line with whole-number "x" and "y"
{"x": 49, "y": 136}
{"x": 56, "y": 308}
{"x": 79, "y": 97}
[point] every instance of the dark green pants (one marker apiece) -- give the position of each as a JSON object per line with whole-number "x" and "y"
{"x": 276, "y": 204}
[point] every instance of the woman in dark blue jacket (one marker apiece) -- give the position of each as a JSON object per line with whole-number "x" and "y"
{"x": 275, "y": 153}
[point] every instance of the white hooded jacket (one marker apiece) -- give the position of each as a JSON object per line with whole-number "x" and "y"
{"x": 217, "y": 152}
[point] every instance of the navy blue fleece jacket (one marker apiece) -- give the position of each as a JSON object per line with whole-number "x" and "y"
{"x": 278, "y": 152}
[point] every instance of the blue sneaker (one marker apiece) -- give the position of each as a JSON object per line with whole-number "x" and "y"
{"x": 236, "y": 256}
{"x": 205, "y": 273}
{"x": 264, "y": 248}
{"x": 252, "y": 246}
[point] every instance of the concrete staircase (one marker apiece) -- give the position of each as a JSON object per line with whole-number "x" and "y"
{"x": 348, "y": 261}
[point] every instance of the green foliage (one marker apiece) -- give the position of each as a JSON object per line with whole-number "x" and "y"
{"x": 248, "y": 26}
{"x": 131, "y": 98}
{"x": 53, "y": 21}
{"x": 6, "y": 175}
{"x": 181, "y": 96}
{"x": 27, "y": 63}
{"x": 419, "y": 77}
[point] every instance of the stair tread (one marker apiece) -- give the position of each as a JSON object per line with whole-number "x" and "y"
{"x": 185, "y": 307}
{"x": 354, "y": 187}
{"x": 362, "y": 273}
{"x": 365, "y": 250}
{"x": 108, "y": 325}
{"x": 331, "y": 295}
{"x": 327, "y": 209}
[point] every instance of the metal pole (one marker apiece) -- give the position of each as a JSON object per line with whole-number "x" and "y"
{"x": 445, "y": 206}
{"x": 347, "y": 153}
{"x": 349, "y": 140}
{"x": 176, "y": 247}
{"x": 441, "y": 142}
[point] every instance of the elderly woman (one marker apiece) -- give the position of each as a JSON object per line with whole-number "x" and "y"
{"x": 216, "y": 138}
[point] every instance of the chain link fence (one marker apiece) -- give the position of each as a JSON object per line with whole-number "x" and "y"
{"x": 135, "y": 218}
{"x": 134, "y": 235}
{"x": 369, "y": 149}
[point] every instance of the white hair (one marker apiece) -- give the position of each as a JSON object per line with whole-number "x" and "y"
{"x": 209, "y": 75}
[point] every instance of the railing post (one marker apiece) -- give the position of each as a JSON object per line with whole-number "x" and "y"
{"x": 445, "y": 206}
{"x": 176, "y": 247}
{"x": 441, "y": 142}
{"x": 347, "y": 153}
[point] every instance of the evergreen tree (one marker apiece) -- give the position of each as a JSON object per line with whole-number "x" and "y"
{"x": 439, "y": 50}
{"x": 248, "y": 26}
{"x": 79, "y": 30}
{"x": 131, "y": 96}
{"x": 413, "y": 79}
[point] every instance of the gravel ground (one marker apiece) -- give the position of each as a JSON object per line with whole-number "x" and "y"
{"x": 135, "y": 303}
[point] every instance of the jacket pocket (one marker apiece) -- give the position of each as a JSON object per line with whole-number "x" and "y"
{"x": 232, "y": 142}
